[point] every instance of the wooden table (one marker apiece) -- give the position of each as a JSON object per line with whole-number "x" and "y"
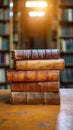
{"x": 37, "y": 117}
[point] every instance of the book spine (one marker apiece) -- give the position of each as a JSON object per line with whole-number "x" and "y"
{"x": 35, "y": 54}
{"x": 18, "y": 98}
{"x": 35, "y": 87}
{"x": 32, "y": 76}
{"x": 35, "y": 98}
{"x": 40, "y": 64}
{"x": 2, "y": 75}
{"x": 52, "y": 98}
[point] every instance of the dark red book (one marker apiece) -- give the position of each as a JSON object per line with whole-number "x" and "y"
{"x": 35, "y": 54}
{"x": 35, "y": 87}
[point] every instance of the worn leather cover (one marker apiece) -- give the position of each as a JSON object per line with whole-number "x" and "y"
{"x": 32, "y": 76}
{"x": 32, "y": 98}
{"x": 52, "y": 64}
{"x": 35, "y": 87}
{"x": 35, "y": 54}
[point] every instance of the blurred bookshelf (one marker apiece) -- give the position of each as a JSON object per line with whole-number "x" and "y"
{"x": 34, "y": 32}
{"x": 65, "y": 41}
{"x": 17, "y": 44}
{"x": 17, "y": 30}
{"x": 5, "y": 41}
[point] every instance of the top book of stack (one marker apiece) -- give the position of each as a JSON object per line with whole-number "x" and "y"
{"x": 35, "y": 54}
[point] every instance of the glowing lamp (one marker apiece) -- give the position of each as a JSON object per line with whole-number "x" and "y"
{"x": 34, "y": 4}
{"x": 36, "y": 14}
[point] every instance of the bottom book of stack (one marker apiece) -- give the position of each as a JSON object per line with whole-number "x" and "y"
{"x": 52, "y": 98}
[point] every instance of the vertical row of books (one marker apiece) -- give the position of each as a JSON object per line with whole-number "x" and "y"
{"x": 66, "y": 41}
{"x": 16, "y": 23}
{"x": 4, "y": 41}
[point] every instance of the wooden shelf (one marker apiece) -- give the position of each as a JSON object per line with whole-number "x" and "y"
{"x": 4, "y": 66}
{"x": 66, "y": 6}
{"x": 5, "y": 36}
{"x": 69, "y": 66}
{"x": 15, "y": 42}
{"x": 66, "y": 37}
{"x": 66, "y": 53}
{"x": 66, "y": 23}
{"x": 4, "y": 51}
{"x": 4, "y": 83}
{"x": 4, "y": 21}
{"x": 4, "y": 6}
{"x": 67, "y": 82}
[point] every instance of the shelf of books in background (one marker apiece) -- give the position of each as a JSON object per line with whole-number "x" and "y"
{"x": 17, "y": 24}
{"x": 4, "y": 41}
{"x": 54, "y": 22}
{"x": 65, "y": 43}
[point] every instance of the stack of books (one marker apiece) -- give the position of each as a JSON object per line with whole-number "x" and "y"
{"x": 35, "y": 77}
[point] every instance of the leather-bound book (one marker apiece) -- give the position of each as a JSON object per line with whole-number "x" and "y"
{"x": 53, "y": 64}
{"x": 47, "y": 98}
{"x": 35, "y": 87}
{"x": 35, "y": 54}
{"x": 35, "y": 98}
{"x": 52, "y": 98}
{"x": 18, "y": 98}
{"x": 32, "y": 76}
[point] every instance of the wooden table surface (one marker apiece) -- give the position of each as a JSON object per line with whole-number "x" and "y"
{"x": 37, "y": 117}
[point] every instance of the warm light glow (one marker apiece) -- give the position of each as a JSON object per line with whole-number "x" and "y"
{"x": 35, "y": 14}
{"x": 11, "y": 4}
{"x": 36, "y": 4}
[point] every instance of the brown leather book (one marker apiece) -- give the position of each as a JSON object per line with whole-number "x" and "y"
{"x": 53, "y": 64}
{"x": 32, "y": 76}
{"x": 35, "y": 98}
{"x": 35, "y": 87}
{"x": 35, "y": 54}
{"x": 52, "y": 98}
{"x": 18, "y": 98}
{"x": 49, "y": 98}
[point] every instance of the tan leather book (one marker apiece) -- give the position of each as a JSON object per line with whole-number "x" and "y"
{"x": 35, "y": 54}
{"x": 32, "y": 98}
{"x": 57, "y": 64}
{"x": 32, "y": 76}
{"x": 18, "y": 98}
{"x": 35, "y": 87}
